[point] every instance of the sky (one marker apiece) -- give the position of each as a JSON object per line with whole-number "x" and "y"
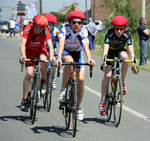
{"x": 48, "y": 6}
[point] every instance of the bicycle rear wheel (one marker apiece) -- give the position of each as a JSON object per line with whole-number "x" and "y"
{"x": 74, "y": 107}
{"x": 67, "y": 105}
{"x": 48, "y": 96}
{"x": 117, "y": 101}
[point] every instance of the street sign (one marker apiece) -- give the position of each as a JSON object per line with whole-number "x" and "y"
{"x": 20, "y": 7}
{"x": 17, "y": 27}
{"x": 21, "y": 14}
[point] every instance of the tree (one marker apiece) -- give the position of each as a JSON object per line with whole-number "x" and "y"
{"x": 123, "y": 8}
{"x": 72, "y": 8}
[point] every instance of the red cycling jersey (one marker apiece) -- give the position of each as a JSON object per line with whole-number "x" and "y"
{"x": 35, "y": 42}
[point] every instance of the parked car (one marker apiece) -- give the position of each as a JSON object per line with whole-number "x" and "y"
{"x": 4, "y": 26}
{"x": 100, "y": 25}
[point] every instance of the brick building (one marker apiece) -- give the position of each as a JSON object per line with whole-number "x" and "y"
{"x": 101, "y": 12}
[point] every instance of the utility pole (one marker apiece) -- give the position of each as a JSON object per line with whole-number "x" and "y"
{"x": 143, "y": 9}
{"x": 94, "y": 9}
{"x": 40, "y": 7}
{"x": 86, "y": 11}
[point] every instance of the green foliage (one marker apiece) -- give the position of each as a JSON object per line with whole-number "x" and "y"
{"x": 61, "y": 18}
{"x": 123, "y": 8}
{"x": 71, "y": 9}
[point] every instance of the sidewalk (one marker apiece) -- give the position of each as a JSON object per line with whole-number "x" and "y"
{"x": 7, "y": 35}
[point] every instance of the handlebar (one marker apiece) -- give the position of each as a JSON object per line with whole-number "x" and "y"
{"x": 116, "y": 59}
{"x": 34, "y": 60}
{"x": 74, "y": 64}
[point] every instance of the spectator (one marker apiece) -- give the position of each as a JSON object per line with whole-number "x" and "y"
{"x": 12, "y": 26}
{"x": 143, "y": 40}
{"x": 25, "y": 23}
{"x": 92, "y": 31}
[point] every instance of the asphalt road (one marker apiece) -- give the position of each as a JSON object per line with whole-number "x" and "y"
{"x": 15, "y": 125}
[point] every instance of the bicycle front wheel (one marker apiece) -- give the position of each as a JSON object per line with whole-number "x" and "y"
{"x": 108, "y": 105}
{"x": 67, "y": 105}
{"x": 117, "y": 101}
{"x": 74, "y": 107}
{"x": 48, "y": 95}
{"x": 34, "y": 99}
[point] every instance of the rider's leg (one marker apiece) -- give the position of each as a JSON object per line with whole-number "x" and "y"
{"x": 124, "y": 68}
{"x": 81, "y": 84}
{"x": 26, "y": 82}
{"x": 105, "y": 81}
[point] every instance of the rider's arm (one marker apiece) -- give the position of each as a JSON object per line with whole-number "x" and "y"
{"x": 105, "y": 51}
{"x": 88, "y": 54}
{"x": 131, "y": 52}
{"x": 60, "y": 47}
{"x": 51, "y": 50}
{"x": 22, "y": 48}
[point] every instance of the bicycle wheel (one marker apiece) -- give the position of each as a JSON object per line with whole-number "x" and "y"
{"x": 74, "y": 107}
{"x": 67, "y": 105}
{"x": 34, "y": 99}
{"x": 108, "y": 105}
{"x": 48, "y": 96}
{"x": 117, "y": 101}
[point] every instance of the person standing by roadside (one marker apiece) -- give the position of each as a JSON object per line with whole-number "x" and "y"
{"x": 92, "y": 31}
{"x": 143, "y": 40}
{"x": 12, "y": 26}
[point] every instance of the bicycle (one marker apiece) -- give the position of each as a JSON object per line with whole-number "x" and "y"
{"x": 70, "y": 106}
{"x": 114, "y": 96}
{"x": 33, "y": 95}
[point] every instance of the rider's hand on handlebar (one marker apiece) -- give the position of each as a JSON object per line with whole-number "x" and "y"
{"x": 58, "y": 63}
{"x": 92, "y": 62}
{"x": 135, "y": 71}
{"x": 21, "y": 59}
{"x": 103, "y": 67}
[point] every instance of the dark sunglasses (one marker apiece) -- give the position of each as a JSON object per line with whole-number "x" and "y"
{"x": 50, "y": 24}
{"x": 74, "y": 22}
{"x": 122, "y": 28}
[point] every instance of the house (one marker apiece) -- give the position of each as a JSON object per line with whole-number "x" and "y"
{"x": 66, "y": 8}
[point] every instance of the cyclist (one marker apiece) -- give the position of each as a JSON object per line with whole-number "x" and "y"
{"x": 73, "y": 38}
{"x": 52, "y": 20}
{"x": 33, "y": 43}
{"x": 114, "y": 46}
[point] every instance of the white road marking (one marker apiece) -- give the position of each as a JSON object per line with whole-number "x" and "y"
{"x": 131, "y": 111}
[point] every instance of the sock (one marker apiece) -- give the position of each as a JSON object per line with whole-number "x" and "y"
{"x": 24, "y": 99}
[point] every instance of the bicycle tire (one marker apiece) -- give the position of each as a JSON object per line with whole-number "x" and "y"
{"x": 74, "y": 106}
{"x": 34, "y": 99}
{"x": 48, "y": 96}
{"x": 67, "y": 109}
{"x": 117, "y": 101}
{"x": 108, "y": 106}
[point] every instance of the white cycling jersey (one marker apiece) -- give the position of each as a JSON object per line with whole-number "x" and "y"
{"x": 74, "y": 41}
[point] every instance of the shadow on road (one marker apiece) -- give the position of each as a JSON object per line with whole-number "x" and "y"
{"x": 99, "y": 120}
{"x": 59, "y": 130}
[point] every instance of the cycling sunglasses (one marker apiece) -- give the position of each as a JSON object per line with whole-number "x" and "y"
{"x": 50, "y": 24}
{"x": 122, "y": 28}
{"x": 79, "y": 22}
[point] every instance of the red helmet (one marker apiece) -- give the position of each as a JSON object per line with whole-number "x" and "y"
{"x": 119, "y": 21}
{"x": 75, "y": 14}
{"x": 51, "y": 18}
{"x": 40, "y": 20}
